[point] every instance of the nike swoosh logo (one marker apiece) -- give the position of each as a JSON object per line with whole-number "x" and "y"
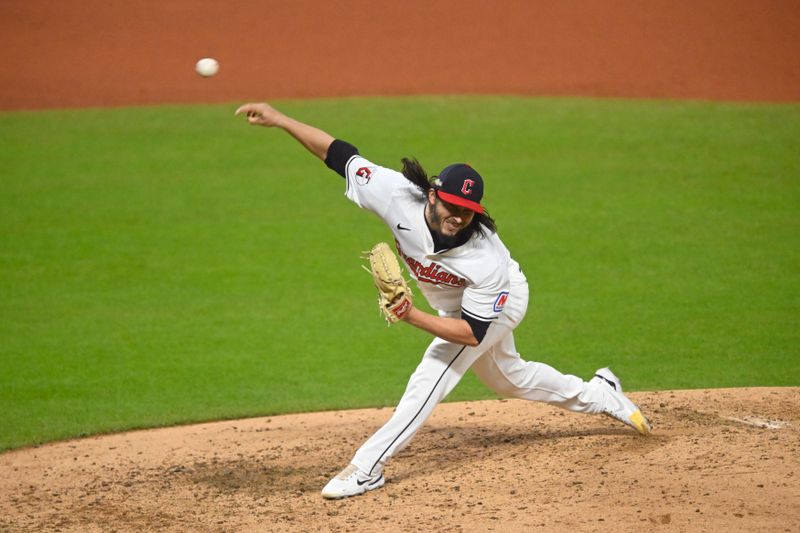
{"x": 368, "y": 480}
{"x": 399, "y": 226}
{"x": 610, "y": 383}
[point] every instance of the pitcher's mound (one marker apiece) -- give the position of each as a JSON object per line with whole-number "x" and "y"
{"x": 718, "y": 460}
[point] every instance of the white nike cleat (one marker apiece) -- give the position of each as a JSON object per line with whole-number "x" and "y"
{"x": 618, "y": 405}
{"x": 351, "y": 482}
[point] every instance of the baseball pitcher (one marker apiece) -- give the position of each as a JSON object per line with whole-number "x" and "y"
{"x": 450, "y": 247}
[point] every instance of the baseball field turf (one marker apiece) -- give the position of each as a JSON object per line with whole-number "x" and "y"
{"x": 171, "y": 264}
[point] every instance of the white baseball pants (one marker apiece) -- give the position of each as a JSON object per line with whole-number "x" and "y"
{"x": 496, "y": 362}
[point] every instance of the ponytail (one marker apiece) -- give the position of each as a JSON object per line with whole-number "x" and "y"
{"x": 414, "y": 173}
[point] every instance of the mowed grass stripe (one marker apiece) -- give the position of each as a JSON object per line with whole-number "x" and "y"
{"x": 170, "y": 264}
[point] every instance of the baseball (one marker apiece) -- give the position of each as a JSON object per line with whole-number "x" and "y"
{"x": 207, "y": 67}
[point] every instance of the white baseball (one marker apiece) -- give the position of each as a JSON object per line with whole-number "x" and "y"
{"x": 207, "y": 67}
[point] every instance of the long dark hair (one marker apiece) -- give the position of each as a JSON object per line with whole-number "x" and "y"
{"x": 414, "y": 173}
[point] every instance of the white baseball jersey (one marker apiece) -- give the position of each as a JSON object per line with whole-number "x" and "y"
{"x": 475, "y": 278}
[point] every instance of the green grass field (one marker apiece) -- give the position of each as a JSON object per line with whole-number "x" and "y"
{"x": 171, "y": 264}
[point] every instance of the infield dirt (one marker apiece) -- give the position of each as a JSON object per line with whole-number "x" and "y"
{"x": 719, "y": 460}
{"x": 98, "y": 53}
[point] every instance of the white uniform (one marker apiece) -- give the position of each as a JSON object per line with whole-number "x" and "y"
{"x": 479, "y": 279}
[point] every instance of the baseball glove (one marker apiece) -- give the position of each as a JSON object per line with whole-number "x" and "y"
{"x": 394, "y": 296}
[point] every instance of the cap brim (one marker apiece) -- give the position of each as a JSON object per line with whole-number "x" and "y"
{"x": 463, "y": 202}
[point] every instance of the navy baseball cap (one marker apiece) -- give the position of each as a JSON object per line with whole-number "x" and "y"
{"x": 460, "y": 184}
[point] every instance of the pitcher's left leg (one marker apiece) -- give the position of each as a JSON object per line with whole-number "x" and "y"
{"x": 503, "y": 370}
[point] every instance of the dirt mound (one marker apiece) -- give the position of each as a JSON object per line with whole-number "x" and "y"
{"x": 719, "y": 460}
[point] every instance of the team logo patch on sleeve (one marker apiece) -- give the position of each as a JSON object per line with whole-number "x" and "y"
{"x": 363, "y": 175}
{"x": 500, "y": 302}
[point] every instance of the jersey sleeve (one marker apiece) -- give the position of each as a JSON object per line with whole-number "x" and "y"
{"x": 485, "y": 302}
{"x": 371, "y": 186}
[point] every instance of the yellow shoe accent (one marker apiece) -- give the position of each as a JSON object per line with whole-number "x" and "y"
{"x": 640, "y": 422}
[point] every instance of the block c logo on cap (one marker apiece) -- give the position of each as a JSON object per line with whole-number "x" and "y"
{"x": 466, "y": 188}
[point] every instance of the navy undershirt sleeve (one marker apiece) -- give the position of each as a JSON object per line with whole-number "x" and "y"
{"x": 339, "y": 153}
{"x": 479, "y": 327}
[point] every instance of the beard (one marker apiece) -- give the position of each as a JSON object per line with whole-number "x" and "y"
{"x": 442, "y": 240}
